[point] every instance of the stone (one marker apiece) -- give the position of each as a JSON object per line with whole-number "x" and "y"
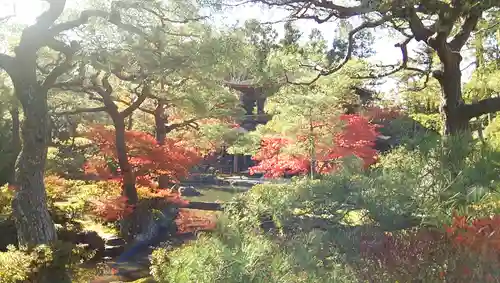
{"x": 188, "y": 191}
{"x": 115, "y": 241}
{"x": 92, "y": 239}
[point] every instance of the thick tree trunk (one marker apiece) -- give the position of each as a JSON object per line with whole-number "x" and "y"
{"x": 16, "y": 141}
{"x": 455, "y": 122}
{"x": 33, "y": 221}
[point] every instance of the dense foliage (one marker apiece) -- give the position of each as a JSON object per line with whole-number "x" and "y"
{"x": 335, "y": 226}
{"x": 277, "y": 156}
{"x": 148, "y": 159}
{"x": 108, "y": 109}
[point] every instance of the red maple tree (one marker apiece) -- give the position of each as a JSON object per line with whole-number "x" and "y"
{"x": 147, "y": 158}
{"x": 357, "y": 137}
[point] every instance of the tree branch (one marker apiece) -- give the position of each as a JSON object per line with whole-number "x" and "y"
{"x": 145, "y": 110}
{"x": 62, "y": 68}
{"x": 146, "y": 92}
{"x": 182, "y": 124}
{"x": 418, "y": 29}
{"x": 47, "y": 19}
{"x": 465, "y": 30}
{"x": 350, "y": 49}
{"x": 33, "y": 37}
{"x": 86, "y": 15}
{"x": 7, "y": 64}
{"x": 485, "y": 106}
{"x": 80, "y": 110}
{"x": 402, "y": 66}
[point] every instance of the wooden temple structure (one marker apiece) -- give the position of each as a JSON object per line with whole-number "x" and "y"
{"x": 253, "y": 99}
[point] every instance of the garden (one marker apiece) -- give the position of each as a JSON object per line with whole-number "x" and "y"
{"x": 158, "y": 141}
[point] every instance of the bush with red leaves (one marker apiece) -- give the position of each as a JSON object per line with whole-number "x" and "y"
{"x": 467, "y": 251}
{"x": 357, "y": 138}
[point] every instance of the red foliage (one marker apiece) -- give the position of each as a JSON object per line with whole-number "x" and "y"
{"x": 147, "y": 158}
{"x": 403, "y": 255}
{"x": 188, "y": 221}
{"x": 481, "y": 235}
{"x": 275, "y": 163}
{"x": 356, "y": 138}
{"x": 467, "y": 251}
{"x": 113, "y": 209}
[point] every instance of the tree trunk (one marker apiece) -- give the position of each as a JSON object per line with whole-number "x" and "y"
{"x": 129, "y": 227}
{"x": 33, "y": 221}
{"x": 129, "y": 189}
{"x": 161, "y": 135}
{"x": 16, "y": 140}
{"x": 160, "y": 129}
{"x": 455, "y": 122}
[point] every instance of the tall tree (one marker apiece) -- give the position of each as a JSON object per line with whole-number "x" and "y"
{"x": 33, "y": 221}
{"x": 444, "y": 26}
{"x": 31, "y": 86}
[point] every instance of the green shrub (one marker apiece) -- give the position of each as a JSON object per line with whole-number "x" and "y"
{"x": 317, "y": 227}
{"x": 14, "y": 265}
{"x": 229, "y": 256}
{"x": 41, "y": 264}
{"x": 68, "y": 158}
{"x": 73, "y": 199}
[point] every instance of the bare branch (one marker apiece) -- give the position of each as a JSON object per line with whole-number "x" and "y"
{"x": 145, "y": 110}
{"x": 80, "y": 110}
{"x": 163, "y": 18}
{"x": 6, "y": 18}
{"x": 350, "y": 49}
{"x": 420, "y": 32}
{"x": 342, "y": 12}
{"x": 122, "y": 75}
{"x": 34, "y": 36}
{"x": 47, "y": 19}
{"x": 402, "y": 66}
{"x": 105, "y": 83}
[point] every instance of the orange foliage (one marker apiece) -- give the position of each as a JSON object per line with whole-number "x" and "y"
{"x": 113, "y": 209}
